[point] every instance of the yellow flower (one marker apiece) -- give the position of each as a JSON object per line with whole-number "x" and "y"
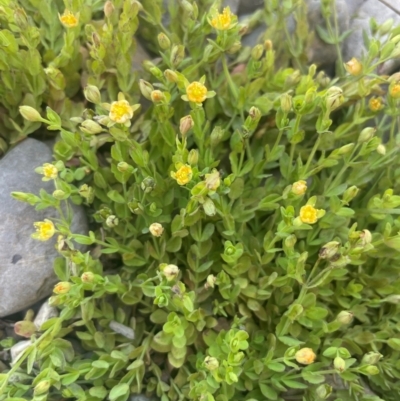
{"x": 156, "y": 229}
{"x": 49, "y": 171}
{"x": 121, "y": 111}
{"x": 68, "y": 19}
{"x": 44, "y": 230}
{"x": 308, "y": 214}
{"x": 223, "y": 21}
{"x": 305, "y": 356}
{"x": 299, "y": 187}
{"x": 394, "y": 90}
{"x": 196, "y": 92}
{"x": 375, "y": 103}
{"x": 183, "y": 175}
{"x": 353, "y": 67}
{"x": 62, "y": 287}
{"x": 213, "y": 180}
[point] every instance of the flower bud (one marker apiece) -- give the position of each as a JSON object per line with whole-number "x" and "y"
{"x": 366, "y": 134}
{"x": 329, "y": 250}
{"x": 211, "y": 279}
{"x": 299, "y": 187}
{"x": 171, "y": 76}
{"x": 170, "y": 272}
{"x": 394, "y": 90}
{"x": 371, "y": 358}
{"x": 186, "y": 124}
{"x": 157, "y": 96}
{"x": 286, "y": 102}
{"x": 156, "y": 229}
{"x": 293, "y": 79}
{"x": 30, "y": 114}
{"x": 87, "y": 277}
{"x": 268, "y": 45}
{"x": 108, "y": 8}
{"x": 62, "y": 287}
{"x": 323, "y": 79}
{"x": 92, "y": 94}
{"x": 146, "y": 88}
{"x": 112, "y": 221}
{"x": 346, "y": 149}
{"x": 213, "y": 180}
{"x": 334, "y": 98}
{"x": 59, "y": 194}
{"x": 386, "y": 27}
{"x": 350, "y": 193}
{"x": 305, "y": 356}
{"x": 237, "y": 45}
{"x": 42, "y": 387}
{"x": 323, "y": 391}
{"x": 163, "y": 41}
{"x": 375, "y": 104}
{"x": 393, "y": 299}
{"x": 365, "y": 237}
{"x": 177, "y": 54}
{"x": 290, "y": 241}
{"x": 86, "y": 192}
{"x": 381, "y": 149}
{"x": 211, "y": 363}
{"x": 255, "y": 113}
{"x": 193, "y": 157}
{"x": 124, "y": 167}
{"x": 216, "y": 136}
{"x": 91, "y": 127}
{"x": 353, "y": 67}
{"x": 257, "y": 52}
{"x": 147, "y": 185}
{"x": 345, "y": 317}
{"x": 339, "y": 364}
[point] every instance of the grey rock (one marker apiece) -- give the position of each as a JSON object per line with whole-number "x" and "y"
{"x": 26, "y": 265}
{"x": 17, "y": 349}
{"x": 232, "y": 4}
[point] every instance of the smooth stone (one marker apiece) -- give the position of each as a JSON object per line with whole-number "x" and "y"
{"x": 26, "y": 264}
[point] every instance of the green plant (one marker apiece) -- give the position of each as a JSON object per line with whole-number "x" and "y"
{"x": 244, "y": 243}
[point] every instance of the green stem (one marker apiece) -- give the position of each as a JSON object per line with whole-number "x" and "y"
{"x": 228, "y": 76}
{"x": 311, "y": 156}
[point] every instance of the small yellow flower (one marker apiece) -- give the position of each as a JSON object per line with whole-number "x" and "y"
{"x": 213, "y": 180}
{"x": 183, "y": 175}
{"x": 156, "y": 229}
{"x": 68, "y": 19}
{"x": 196, "y": 92}
{"x": 49, "y": 171}
{"x": 222, "y": 22}
{"x": 305, "y": 356}
{"x": 353, "y": 67}
{"x": 62, "y": 287}
{"x": 308, "y": 214}
{"x": 375, "y": 104}
{"x": 394, "y": 90}
{"x": 44, "y": 230}
{"x": 299, "y": 187}
{"x": 121, "y": 111}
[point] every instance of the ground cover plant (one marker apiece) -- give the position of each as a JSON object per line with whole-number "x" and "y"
{"x": 244, "y": 206}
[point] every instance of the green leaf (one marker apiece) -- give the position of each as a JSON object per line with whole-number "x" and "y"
{"x": 394, "y": 343}
{"x": 115, "y": 196}
{"x": 118, "y": 391}
{"x": 276, "y": 366}
{"x": 268, "y": 392}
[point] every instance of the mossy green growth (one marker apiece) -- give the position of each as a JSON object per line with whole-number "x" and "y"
{"x": 244, "y": 237}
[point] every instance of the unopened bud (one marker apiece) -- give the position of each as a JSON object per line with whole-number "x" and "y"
{"x": 213, "y": 180}
{"x": 211, "y": 279}
{"x": 87, "y": 277}
{"x": 186, "y": 124}
{"x": 350, "y": 193}
{"x": 112, "y": 221}
{"x": 394, "y": 90}
{"x": 255, "y": 113}
{"x": 339, "y": 364}
{"x": 345, "y": 317}
{"x": 305, "y": 356}
{"x": 290, "y": 241}
{"x": 30, "y": 114}
{"x": 170, "y": 272}
{"x": 42, "y": 387}
{"x": 193, "y": 157}
{"x": 124, "y": 167}
{"x": 177, "y": 54}
{"x": 386, "y": 27}
{"x": 59, "y": 194}
{"x": 92, "y": 94}
{"x": 156, "y": 229}
{"x": 268, "y": 45}
{"x": 108, "y": 8}
{"x": 329, "y": 250}
{"x": 146, "y": 88}
{"x": 293, "y": 79}
{"x": 299, "y": 187}
{"x": 323, "y": 391}
{"x": 257, "y": 52}
{"x": 381, "y": 149}
{"x": 334, "y": 98}
{"x": 375, "y": 104}
{"x": 237, "y": 45}
{"x": 366, "y": 134}
{"x": 171, "y": 76}
{"x": 393, "y": 299}
{"x": 365, "y": 237}
{"x": 371, "y": 358}
{"x": 163, "y": 41}
{"x": 62, "y": 287}
{"x": 86, "y": 192}
{"x": 286, "y": 102}
{"x": 91, "y": 127}
{"x": 346, "y": 149}
{"x": 353, "y": 67}
{"x": 147, "y": 185}
{"x": 211, "y": 363}
{"x": 157, "y": 96}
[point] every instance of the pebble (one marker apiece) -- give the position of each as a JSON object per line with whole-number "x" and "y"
{"x": 26, "y": 265}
